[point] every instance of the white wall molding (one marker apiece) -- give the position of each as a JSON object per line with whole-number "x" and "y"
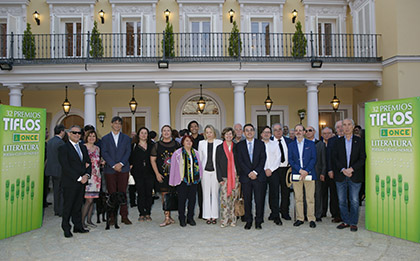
{"x": 400, "y": 58}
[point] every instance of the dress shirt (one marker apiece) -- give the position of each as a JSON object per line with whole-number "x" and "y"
{"x": 252, "y": 146}
{"x": 300, "y": 149}
{"x": 272, "y": 150}
{"x": 348, "y": 150}
{"x": 80, "y": 155}
{"x": 285, "y": 149}
{"x": 116, "y": 136}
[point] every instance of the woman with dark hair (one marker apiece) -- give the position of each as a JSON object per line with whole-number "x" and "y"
{"x": 142, "y": 172}
{"x": 227, "y": 177}
{"x": 93, "y": 186}
{"x": 160, "y": 159}
{"x": 186, "y": 173}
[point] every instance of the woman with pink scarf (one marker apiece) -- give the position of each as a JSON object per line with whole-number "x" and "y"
{"x": 227, "y": 177}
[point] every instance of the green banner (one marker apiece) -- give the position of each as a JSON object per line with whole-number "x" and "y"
{"x": 393, "y": 168}
{"x": 22, "y": 139}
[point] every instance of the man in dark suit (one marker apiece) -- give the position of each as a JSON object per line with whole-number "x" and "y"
{"x": 349, "y": 161}
{"x": 76, "y": 166}
{"x": 251, "y": 157}
{"x": 302, "y": 159}
{"x": 53, "y": 167}
{"x": 116, "y": 149}
{"x": 329, "y": 179}
{"x": 278, "y": 179}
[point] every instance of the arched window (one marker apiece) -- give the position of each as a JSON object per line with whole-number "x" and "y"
{"x": 191, "y": 108}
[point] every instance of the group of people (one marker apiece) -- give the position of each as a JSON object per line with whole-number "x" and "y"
{"x": 216, "y": 171}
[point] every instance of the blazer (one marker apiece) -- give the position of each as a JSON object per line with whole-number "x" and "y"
{"x": 257, "y": 164}
{"x": 113, "y": 155}
{"x": 202, "y": 150}
{"x": 53, "y": 167}
{"x": 72, "y": 166}
{"x": 330, "y": 147}
{"x": 221, "y": 162}
{"x": 176, "y": 167}
{"x": 357, "y": 159}
{"x": 309, "y": 157}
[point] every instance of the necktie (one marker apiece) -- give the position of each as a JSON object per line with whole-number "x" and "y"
{"x": 282, "y": 159}
{"x": 79, "y": 151}
{"x": 250, "y": 150}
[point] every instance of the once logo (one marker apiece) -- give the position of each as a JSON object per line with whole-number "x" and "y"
{"x": 22, "y": 137}
{"x": 396, "y": 132}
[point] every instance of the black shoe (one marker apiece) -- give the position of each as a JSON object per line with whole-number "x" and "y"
{"x": 133, "y": 205}
{"x": 258, "y": 226}
{"x": 248, "y": 225}
{"x": 353, "y": 228}
{"x": 243, "y": 219}
{"x": 312, "y": 224}
{"x": 342, "y": 225}
{"x": 297, "y": 223}
{"x": 270, "y": 217}
{"x": 286, "y": 217}
{"x": 68, "y": 234}
{"x": 277, "y": 221}
{"x": 155, "y": 197}
{"x": 182, "y": 223}
{"x": 319, "y": 220}
{"x": 191, "y": 222}
{"x": 80, "y": 230}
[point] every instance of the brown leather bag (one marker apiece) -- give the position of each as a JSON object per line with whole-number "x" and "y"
{"x": 239, "y": 204}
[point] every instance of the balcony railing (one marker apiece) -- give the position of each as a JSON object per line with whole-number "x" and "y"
{"x": 186, "y": 47}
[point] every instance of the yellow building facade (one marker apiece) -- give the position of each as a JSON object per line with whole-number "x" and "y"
{"x": 369, "y": 49}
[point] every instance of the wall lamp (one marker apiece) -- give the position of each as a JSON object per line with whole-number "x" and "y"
{"x": 101, "y": 117}
{"x": 316, "y": 63}
{"x": 231, "y": 13}
{"x": 6, "y": 66}
{"x": 294, "y": 15}
{"x": 66, "y": 105}
{"x": 163, "y": 64}
{"x": 102, "y": 16}
{"x": 167, "y": 13}
{"x": 36, "y": 17}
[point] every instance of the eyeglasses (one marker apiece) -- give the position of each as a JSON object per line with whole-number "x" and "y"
{"x": 76, "y": 132}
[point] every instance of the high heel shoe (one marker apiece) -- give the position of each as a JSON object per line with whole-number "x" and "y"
{"x": 168, "y": 220}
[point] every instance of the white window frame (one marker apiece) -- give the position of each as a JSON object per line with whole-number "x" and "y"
{"x": 124, "y": 20}
{"x": 260, "y": 110}
{"x": 140, "y": 112}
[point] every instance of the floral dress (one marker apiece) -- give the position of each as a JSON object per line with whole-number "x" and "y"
{"x": 94, "y": 184}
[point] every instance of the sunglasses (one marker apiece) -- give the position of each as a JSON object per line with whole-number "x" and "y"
{"x": 76, "y": 132}
{"x": 309, "y": 130}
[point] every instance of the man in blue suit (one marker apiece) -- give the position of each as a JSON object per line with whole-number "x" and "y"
{"x": 251, "y": 157}
{"x": 116, "y": 149}
{"x": 302, "y": 159}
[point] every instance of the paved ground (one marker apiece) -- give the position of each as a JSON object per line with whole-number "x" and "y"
{"x": 147, "y": 241}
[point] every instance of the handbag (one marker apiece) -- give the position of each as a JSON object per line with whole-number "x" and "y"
{"x": 170, "y": 202}
{"x": 239, "y": 204}
{"x": 131, "y": 180}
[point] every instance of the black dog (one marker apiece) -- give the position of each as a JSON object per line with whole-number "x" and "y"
{"x": 100, "y": 206}
{"x": 112, "y": 205}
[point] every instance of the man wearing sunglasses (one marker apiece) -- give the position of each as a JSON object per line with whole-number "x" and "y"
{"x": 321, "y": 170}
{"x": 76, "y": 169}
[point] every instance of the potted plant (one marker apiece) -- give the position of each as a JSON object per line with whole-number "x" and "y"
{"x": 235, "y": 42}
{"x": 28, "y": 43}
{"x": 299, "y": 42}
{"x": 96, "y": 47}
{"x": 168, "y": 41}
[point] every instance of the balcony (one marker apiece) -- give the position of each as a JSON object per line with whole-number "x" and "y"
{"x": 186, "y": 47}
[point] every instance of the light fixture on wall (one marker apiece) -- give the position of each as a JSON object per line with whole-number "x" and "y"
{"x": 231, "y": 13}
{"x": 201, "y": 102}
{"x": 101, "y": 117}
{"x": 36, "y": 17}
{"x": 102, "y": 16}
{"x": 301, "y": 113}
{"x": 6, "y": 66}
{"x": 294, "y": 15}
{"x": 167, "y": 13}
{"x": 66, "y": 105}
{"x": 316, "y": 63}
{"x": 335, "y": 102}
{"x": 268, "y": 101}
{"x": 133, "y": 103}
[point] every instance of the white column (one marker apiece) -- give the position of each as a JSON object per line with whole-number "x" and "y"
{"x": 164, "y": 103}
{"x": 15, "y": 93}
{"x": 90, "y": 102}
{"x": 312, "y": 110}
{"x": 239, "y": 102}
